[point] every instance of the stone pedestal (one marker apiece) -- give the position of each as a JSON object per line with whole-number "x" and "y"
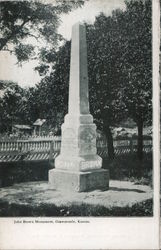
{"x": 78, "y": 167}
{"x": 79, "y": 181}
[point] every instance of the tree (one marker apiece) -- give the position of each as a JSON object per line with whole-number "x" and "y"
{"x": 122, "y": 67}
{"x": 22, "y": 20}
{"x": 136, "y": 58}
{"x": 13, "y": 103}
{"x": 106, "y": 100}
{"x": 50, "y": 97}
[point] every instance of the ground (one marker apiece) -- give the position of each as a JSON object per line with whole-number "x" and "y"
{"x": 39, "y": 199}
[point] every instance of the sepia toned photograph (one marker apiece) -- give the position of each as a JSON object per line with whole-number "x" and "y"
{"x": 76, "y": 127}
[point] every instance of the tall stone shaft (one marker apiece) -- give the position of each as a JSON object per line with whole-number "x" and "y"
{"x": 78, "y": 167}
{"x": 78, "y": 87}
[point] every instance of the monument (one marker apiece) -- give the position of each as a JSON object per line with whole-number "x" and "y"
{"x": 78, "y": 167}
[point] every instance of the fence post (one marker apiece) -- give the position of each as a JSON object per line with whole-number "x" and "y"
{"x": 51, "y": 160}
{"x": 131, "y": 145}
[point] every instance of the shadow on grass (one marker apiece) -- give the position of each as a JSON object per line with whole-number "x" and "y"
{"x": 126, "y": 190}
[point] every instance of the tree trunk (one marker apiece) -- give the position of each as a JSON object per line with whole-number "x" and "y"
{"x": 109, "y": 139}
{"x": 140, "y": 140}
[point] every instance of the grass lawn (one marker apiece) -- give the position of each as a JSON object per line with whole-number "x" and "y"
{"x": 140, "y": 209}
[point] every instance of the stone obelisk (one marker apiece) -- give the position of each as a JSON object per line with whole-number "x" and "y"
{"x": 78, "y": 167}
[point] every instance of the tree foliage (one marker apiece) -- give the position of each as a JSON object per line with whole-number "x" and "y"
{"x": 105, "y": 75}
{"x": 21, "y": 21}
{"x": 50, "y": 97}
{"x": 13, "y": 105}
{"x": 137, "y": 61}
{"x": 120, "y": 72}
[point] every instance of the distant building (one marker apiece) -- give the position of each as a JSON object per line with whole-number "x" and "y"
{"x": 39, "y": 126}
{"x": 21, "y": 129}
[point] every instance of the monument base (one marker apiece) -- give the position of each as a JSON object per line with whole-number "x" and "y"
{"x": 79, "y": 181}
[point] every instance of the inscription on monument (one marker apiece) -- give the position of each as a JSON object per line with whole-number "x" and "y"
{"x": 84, "y": 165}
{"x": 87, "y": 135}
{"x": 69, "y": 139}
{"x": 65, "y": 164}
{"x": 91, "y": 165}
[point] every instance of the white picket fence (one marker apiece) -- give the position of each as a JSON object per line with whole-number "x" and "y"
{"x": 122, "y": 144}
{"x": 27, "y": 145}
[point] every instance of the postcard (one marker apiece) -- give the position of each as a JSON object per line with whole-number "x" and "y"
{"x": 79, "y": 124}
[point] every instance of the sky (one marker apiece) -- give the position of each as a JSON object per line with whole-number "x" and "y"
{"x": 25, "y": 74}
